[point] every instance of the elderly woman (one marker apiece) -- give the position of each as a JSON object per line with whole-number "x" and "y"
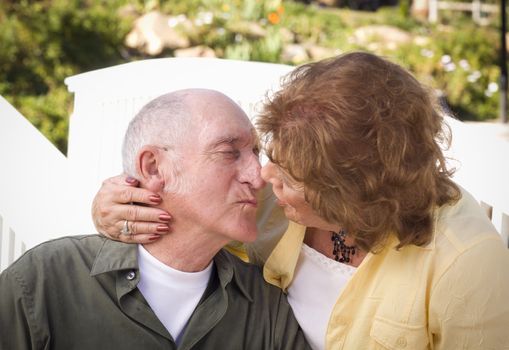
{"x": 383, "y": 250}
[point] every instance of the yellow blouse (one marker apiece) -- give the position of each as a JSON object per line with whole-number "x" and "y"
{"x": 451, "y": 294}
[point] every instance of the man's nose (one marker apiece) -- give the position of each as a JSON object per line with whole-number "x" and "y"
{"x": 252, "y": 174}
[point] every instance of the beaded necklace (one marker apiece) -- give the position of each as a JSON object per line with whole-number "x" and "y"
{"x": 340, "y": 250}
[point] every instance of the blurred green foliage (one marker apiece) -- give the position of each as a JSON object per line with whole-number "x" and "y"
{"x": 43, "y": 42}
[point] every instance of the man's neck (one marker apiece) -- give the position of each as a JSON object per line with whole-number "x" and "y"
{"x": 185, "y": 251}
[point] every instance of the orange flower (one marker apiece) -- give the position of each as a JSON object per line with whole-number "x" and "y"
{"x": 274, "y": 18}
{"x": 280, "y": 9}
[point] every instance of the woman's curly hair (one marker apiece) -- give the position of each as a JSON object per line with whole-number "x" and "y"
{"x": 363, "y": 136}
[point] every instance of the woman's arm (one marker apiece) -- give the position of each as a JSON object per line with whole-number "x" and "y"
{"x": 112, "y": 206}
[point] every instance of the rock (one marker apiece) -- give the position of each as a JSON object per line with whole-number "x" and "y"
{"x": 185, "y": 26}
{"x": 294, "y": 53}
{"x": 128, "y": 11}
{"x": 374, "y": 47}
{"x": 248, "y": 29}
{"x": 152, "y": 34}
{"x": 196, "y": 51}
{"x": 287, "y": 35}
{"x": 446, "y": 28}
{"x": 421, "y": 40}
{"x": 330, "y": 3}
{"x": 319, "y": 52}
{"x": 387, "y": 36}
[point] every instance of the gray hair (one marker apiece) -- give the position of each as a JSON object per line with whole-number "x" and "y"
{"x": 161, "y": 122}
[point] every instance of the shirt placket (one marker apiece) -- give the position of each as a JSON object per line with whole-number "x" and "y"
{"x": 133, "y": 304}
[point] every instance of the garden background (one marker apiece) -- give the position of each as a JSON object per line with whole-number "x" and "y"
{"x": 43, "y": 42}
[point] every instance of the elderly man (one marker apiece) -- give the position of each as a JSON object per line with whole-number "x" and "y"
{"x": 196, "y": 148}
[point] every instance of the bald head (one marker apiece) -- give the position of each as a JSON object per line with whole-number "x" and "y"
{"x": 170, "y": 120}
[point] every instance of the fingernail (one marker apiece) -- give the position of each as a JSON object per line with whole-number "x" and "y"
{"x": 130, "y": 180}
{"x": 164, "y": 217}
{"x": 155, "y": 199}
{"x": 163, "y": 228}
{"x": 154, "y": 237}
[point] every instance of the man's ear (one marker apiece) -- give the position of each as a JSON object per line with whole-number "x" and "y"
{"x": 149, "y": 167}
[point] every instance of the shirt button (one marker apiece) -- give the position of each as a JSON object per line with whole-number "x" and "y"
{"x": 130, "y": 276}
{"x": 401, "y": 342}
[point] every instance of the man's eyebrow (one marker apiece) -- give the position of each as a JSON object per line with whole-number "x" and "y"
{"x": 230, "y": 140}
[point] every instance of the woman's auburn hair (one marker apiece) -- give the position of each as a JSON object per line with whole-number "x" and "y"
{"x": 363, "y": 136}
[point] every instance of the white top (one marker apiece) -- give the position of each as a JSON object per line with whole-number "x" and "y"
{"x": 172, "y": 294}
{"x": 316, "y": 286}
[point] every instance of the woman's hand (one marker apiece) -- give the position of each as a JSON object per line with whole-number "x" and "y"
{"x": 119, "y": 199}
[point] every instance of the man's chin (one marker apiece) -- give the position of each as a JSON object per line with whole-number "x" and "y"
{"x": 251, "y": 237}
{"x": 249, "y": 234}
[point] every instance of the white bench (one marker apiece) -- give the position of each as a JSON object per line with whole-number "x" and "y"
{"x": 45, "y": 195}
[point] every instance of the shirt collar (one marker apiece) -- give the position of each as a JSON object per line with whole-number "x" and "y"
{"x": 280, "y": 266}
{"x": 114, "y": 256}
{"x": 227, "y": 271}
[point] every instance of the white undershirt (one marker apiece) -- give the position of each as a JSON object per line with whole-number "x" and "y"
{"x": 172, "y": 294}
{"x": 316, "y": 286}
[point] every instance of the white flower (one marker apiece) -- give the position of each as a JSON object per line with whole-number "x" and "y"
{"x": 445, "y": 59}
{"x": 206, "y": 17}
{"x": 427, "y": 53}
{"x": 464, "y": 64}
{"x": 474, "y": 76}
{"x": 173, "y": 22}
{"x": 449, "y": 67}
{"x": 493, "y": 87}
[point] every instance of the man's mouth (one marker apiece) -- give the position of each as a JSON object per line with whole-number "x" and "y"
{"x": 250, "y": 202}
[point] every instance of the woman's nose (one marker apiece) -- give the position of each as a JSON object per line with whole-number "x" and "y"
{"x": 268, "y": 172}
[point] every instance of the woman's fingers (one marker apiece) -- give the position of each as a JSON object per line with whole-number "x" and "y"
{"x": 125, "y": 195}
{"x": 134, "y": 212}
{"x": 122, "y": 190}
{"x": 118, "y": 200}
{"x": 140, "y": 221}
{"x": 141, "y": 232}
{"x": 121, "y": 180}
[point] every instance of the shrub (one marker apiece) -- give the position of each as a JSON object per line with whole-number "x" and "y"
{"x": 42, "y": 42}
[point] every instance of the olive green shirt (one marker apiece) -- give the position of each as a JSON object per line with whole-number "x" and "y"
{"x": 80, "y": 293}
